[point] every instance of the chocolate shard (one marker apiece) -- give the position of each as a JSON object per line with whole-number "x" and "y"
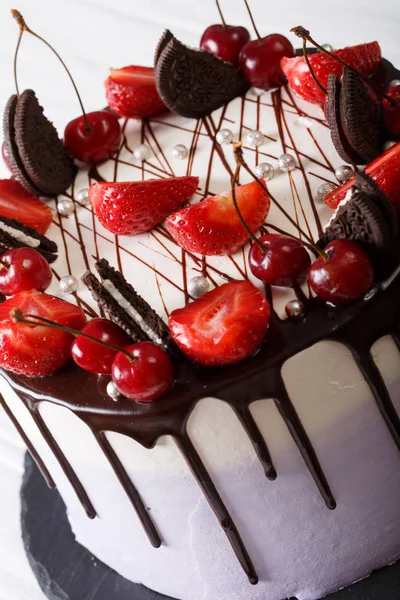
{"x": 365, "y": 183}
{"x": 194, "y": 83}
{"x": 14, "y": 234}
{"x": 339, "y": 139}
{"x": 360, "y": 117}
{"x": 42, "y": 153}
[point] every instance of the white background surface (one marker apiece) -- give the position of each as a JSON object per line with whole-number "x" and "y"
{"x": 93, "y": 35}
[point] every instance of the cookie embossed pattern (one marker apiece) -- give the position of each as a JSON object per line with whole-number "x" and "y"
{"x": 279, "y": 443}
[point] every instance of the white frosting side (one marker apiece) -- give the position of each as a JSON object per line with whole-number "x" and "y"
{"x": 20, "y": 236}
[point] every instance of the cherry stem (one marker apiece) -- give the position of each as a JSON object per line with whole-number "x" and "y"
{"x": 24, "y": 27}
{"x": 239, "y": 214}
{"x": 221, "y": 14}
{"x": 252, "y": 19}
{"x": 238, "y": 153}
{"x": 17, "y": 316}
{"x": 313, "y": 75}
{"x": 303, "y": 33}
{"x": 4, "y": 264}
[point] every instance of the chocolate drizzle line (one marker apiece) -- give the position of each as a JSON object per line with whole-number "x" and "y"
{"x": 358, "y": 327}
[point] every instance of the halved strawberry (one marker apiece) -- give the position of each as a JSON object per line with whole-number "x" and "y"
{"x": 385, "y": 170}
{"x": 17, "y": 203}
{"x": 131, "y": 92}
{"x": 212, "y": 227}
{"x": 37, "y": 351}
{"x": 363, "y": 57}
{"x": 222, "y": 327}
{"x": 127, "y": 208}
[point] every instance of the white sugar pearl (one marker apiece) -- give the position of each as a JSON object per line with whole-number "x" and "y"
{"x": 327, "y": 47}
{"x": 294, "y": 309}
{"x": 388, "y": 145}
{"x": 180, "y": 151}
{"x": 344, "y": 173}
{"x": 113, "y": 391}
{"x": 254, "y": 138}
{"x": 303, "y": 121}
{"x": 68, "y": 284}
{"x": 324, "y": 190}
{"x": 65, "y": 207}
{"x": 394, "y": 83}
{"x": 198, "y": 286}
{"x": 286, "y": 162}
{"x": 257, "y": 91}
{"x": 265, "y": 170}
{"x": 224, "y": 137}
{"x": 142, "y": 152}
{"x": 82, "y": 197}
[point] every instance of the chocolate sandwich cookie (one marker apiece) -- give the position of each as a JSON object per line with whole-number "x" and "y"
{"x": 125, "y": 307}
{"x": 194, "y": 83}
{"x": 14, "y": 234}
{"x": 38, "y": 157}
{"x": 365, "y": 183}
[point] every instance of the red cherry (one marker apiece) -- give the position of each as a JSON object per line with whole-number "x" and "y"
{"x": 344, "y": 276}
{"x": 283, "y": 260}
{"x": 90, "y": 355}
{"x": 96, "y": 145}
{"x": 225, "y": 41}
{"x": 260, "y": 60}
{"x": 23, "y": 269}
{"x": 391, "y": 113}
{"x": 146, "y": 378}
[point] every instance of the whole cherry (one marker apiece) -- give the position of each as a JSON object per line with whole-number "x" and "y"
{"x": 146, "y": 376}
{"x": 23, "y": 269}
{"x": 344, "y": 275}
{"x": 97, "y": 143}
{"x": 278, "y": 259}
{"x": 90, "y": 355}
{"x": 224, "y": 41}
{"x": 391, "y": 112}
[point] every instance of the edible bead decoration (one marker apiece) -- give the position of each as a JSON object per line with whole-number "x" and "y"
{"x": 255, "y": 138}
{"x": 82, "y": 197}
{"x": 142, "y": 152}
{"x": 224, "y": 137}
{"x": 295, "y": 309}
{"x": 388, "y": 145}
{"x": 394, "y": 83}
{"x": 286, "y": 163}
{"x": 265, "y": 170}
{"x": 65, "y": 207}
{"x": 198, "y": 286}
{"x": 344, "y": 173}
{"x": 324, "y": 189}
{"x": 327, "y": 47}
{"x": 303, "y": 121}
{"x": 180, "y": 151}
{"x": 68, "y": 284}
{"x": 112, "y": 390}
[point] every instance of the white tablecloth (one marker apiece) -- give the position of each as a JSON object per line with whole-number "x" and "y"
{"x": 93, "y": 35}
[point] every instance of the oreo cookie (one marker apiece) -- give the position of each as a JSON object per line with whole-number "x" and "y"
{"x": 365, "y": 183}
{"x": 14, "y": 234}
{"x": 194, "y": 83}
{"x": 125, "y": 307}
{"x": 338, "y": 136}
{"x": 38, "y": 157}
{"x": 360, "y": 116}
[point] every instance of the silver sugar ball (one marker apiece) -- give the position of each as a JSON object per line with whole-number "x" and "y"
{"x": 68, "y": 284}
{"x": 82, "y": 197}
{"x": 142, "y": 152}
{"x": 388, "y": 145}
{"x": 113, "y": 391}
{"x": 65, "y": 207}
{"x": 255, "y": 138}
{"x": 327, "y": 47}
{"x": 295, "y": 309}
{"x": 394, "y": 83}
{"x": 224, "y": 137}
{"x": 180, "y": 151}
{"x": 198, "y": 286}
{"x": 344, "y": 173}
{"x": 257, "y": 91}
{"x": 265, "y": 170}
{"x": 324, "y": 189}
{"x": 286, "y": 163}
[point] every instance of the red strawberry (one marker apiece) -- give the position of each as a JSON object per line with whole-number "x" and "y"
{"x": 212, "y": 227}
{"x": 17, "y": 203}
{"x": 222, "y": 327}
{"x": 131, "y": 92}
{"x": 37, "y": 351}
{"x": 385, "y": 170}
{"x": 127, "y": 208}
{"x": 364, "y": 57}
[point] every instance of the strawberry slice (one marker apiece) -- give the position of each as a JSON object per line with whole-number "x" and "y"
{"x": 37, "y": 351}
{"x": 385, "y": 170}
{"x": 131, "y": 92}
{"x": 222, "y": 327}
{"x": 212, "y": 227}
{"x": 127, "y": 208}
{"x": 17, "y": 203}
{"x": 363, "y": 57}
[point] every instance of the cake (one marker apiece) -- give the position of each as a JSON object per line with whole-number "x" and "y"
{"x": 276, "y": 476}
